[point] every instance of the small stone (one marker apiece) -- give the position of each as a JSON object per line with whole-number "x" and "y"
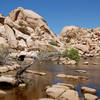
{"x": 22, "y": 85}
{"x": 71, "y": 77}
{"x": 86, "y": 63}
{"x": 61, "y": 86}
{"x": 61, "y": 75}
{"x": 88, "y": 90}
{"x": 88, "y": 96}
{"x": 7, "y": 79}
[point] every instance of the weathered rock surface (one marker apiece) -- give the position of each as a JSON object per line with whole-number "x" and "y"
{"x": 7, "y": 79}
{"x": 72, "y": 77}
{"x": 70, "y": 95}
{"x": 55, "y": 92}
{"x": 2, "y": 93}
{"x": 62, "y": 91}
{"x": 67, "y": 85}
{"x": 83, "y": 39}
{"x": 88, "y": 90}
{"x": 88, "y": 96}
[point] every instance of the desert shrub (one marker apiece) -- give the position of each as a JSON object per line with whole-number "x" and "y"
{"x": 67, "y": 40}
{"x": 72, "y": 53}
{"x": 54, "y": 43}
{"x": 65, "y": 53}
{"x": 3, "y": 56}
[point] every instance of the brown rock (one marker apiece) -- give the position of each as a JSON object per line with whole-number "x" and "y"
{"x": 88, "y": 90}
{"x": 11, "y": 37}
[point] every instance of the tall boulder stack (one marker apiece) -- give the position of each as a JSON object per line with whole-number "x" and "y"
{"x": 83, "y": 39}
{"x": 24, "y": 30}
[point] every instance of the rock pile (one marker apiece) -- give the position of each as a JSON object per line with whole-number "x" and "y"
{"x": 87, "y": 41}
{"x": 62, "y": 91}
{"x": 24, "y": 30}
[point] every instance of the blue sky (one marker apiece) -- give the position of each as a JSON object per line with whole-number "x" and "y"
{"x": 59, "y": 13}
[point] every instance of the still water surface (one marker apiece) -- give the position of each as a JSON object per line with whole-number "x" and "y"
{"x": 35, "y": 88}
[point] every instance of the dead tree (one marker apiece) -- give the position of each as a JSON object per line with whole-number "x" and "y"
{"x": 23, "y": 69}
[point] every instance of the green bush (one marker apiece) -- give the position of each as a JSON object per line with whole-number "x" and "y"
{"x": 67, "y": 40}
{"x": 72, "y": 53}
{"x": 54, "y": 43}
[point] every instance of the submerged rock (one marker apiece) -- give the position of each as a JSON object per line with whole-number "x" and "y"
{"x": 62, "y": 91}
{"x": 22, "y": 85}
{"x": 72, "y": 77}
{"x": 55, "y": 92}
{"x": 81, "y": 71}
{"x": 35, "y": 72}
{"x": 8, "y": 80}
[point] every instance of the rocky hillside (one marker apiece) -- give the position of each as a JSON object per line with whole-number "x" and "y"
{"x": 24, "y": 30}
{"x": 87, "y": 41}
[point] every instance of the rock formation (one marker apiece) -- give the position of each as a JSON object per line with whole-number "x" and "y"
{"x": 24, "y": 30}
{"x": 83, "y": 39}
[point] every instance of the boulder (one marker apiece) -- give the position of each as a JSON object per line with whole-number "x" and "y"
{"x": 21, "y": 44}
{"x": 55, "y": 92}
{"x": 4, "y": 69}
{"x": 68, "y": 28}
{"x": 72, "y": 77}
{"x": 88, "y": 96}
{"x": 71, "y": 62}
{"x": 30, "y": 43}
{"x": 83, "y": 48}
{"x": 19, "y": 35}
{"x": 11, "y": 37}
{"x": 2, "y": 18}
{"x": 88, "y": 90}
{"x": 7, "y": 80}
{"x": 70, "y": 95}
{"x": 11, "y": 68}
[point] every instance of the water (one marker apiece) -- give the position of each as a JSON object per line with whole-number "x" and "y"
{"x": 36, "y": 86}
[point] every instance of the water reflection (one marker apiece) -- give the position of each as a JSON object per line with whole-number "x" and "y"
{"x": 36, "y": 84}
